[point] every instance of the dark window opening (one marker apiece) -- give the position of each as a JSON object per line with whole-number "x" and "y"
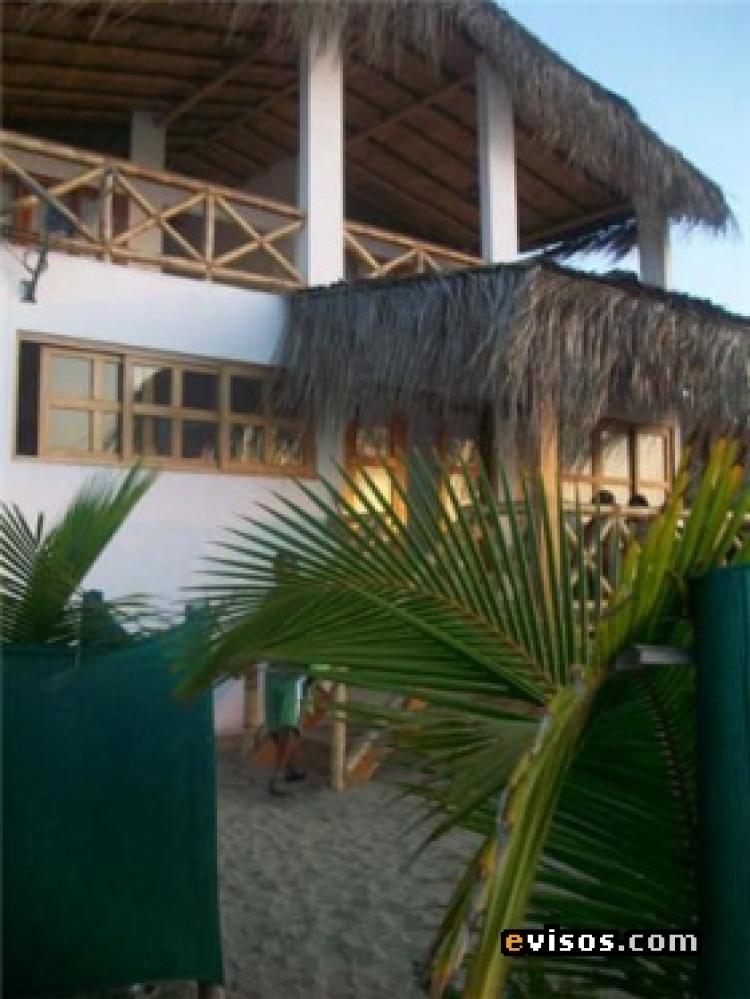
{"x": 27, "y": 426}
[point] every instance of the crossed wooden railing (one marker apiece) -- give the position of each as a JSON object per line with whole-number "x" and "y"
{"x": 607, "y": 533}
{"x": 379, "y": 253}
{"x": 119, "y": 211}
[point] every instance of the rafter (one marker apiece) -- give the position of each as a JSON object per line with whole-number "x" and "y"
{"x": 398, "y": 116}
{"x": 209, "y": 87}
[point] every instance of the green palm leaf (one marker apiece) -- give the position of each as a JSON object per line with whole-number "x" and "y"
{"x": 42, "y": 572}
{"x": 579, "y": 778}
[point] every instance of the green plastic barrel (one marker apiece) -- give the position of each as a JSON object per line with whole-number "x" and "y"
{"x": 721, "y": 603}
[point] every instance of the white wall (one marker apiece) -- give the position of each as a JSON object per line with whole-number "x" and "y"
{"x": 161, "y": 546}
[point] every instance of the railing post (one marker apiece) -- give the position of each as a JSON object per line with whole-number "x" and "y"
{"x": 210, "y": 228}
{"x": 106, "y": 220}
{"x": 338, "y": 740}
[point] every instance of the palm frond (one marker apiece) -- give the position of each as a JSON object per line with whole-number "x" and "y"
{"x": 499, "y": 617}
{"x": 42, "y": 572}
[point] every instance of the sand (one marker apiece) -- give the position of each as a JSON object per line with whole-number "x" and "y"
{"x": 315, "y": 899}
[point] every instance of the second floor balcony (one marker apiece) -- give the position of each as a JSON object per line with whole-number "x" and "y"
{"x": 281, "y": 151}
{"x": 118, "y": 211}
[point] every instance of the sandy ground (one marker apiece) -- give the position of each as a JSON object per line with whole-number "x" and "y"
{"x": 316, "y": 901}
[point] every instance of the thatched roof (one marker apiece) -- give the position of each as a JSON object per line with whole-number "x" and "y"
{"x": 598, "y": 130}
{"x": 520, "y": 335}
{"x": 584, "y": 125}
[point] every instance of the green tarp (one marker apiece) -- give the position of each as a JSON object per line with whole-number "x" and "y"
{"x": 722, "y": 620}
{"x": 109, "y": 821}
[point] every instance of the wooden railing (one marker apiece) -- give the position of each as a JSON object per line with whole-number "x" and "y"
{"x": 119, "y": 211}
{"x": 608, "y": 530}
{"x": 379, "y": 253}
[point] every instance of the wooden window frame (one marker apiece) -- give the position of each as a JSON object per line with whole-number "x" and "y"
{"x": 633, "y": 482}
{"x": 94, "y": 404}
{"x": 128, "y": 408}
{"x": 397, "y": 426}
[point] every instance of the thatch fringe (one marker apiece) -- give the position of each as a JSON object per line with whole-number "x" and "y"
{"x": 519, "y": 336}
{"x": 596, "y": 130}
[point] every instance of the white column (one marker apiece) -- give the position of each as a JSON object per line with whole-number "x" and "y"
{"x": 147, "y": 148}
{"x": 498, "y": 205}
{"x": 321, "y": 160}
{"x": 654, "y": 252}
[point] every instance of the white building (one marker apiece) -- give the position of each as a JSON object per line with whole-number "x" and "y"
{"x": 190, "y": 173}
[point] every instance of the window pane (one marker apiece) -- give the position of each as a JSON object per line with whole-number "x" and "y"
{"x": 373, "y": 442}
{"x": 614, "y": 450}
{"x": 581, "y": 466}
{"x": 247, "y": 443}
{"x": 200, "y": 440}
{"x": 111, "y": 381}
{"x": 246, "y": 395}
{"x": 381, "y": 482}
{"x": 152, "y": 436}
{"x": 288, "y": 448}
{"x": 152, "y": 384}
{"x": 71, "y": 377}
{"x": 200, "y": 390}
{"x": 70, "y": 429}
{"x": 110, "y": 431}
{"x": 652, "y": 457}
{"x": 583, "y": 490}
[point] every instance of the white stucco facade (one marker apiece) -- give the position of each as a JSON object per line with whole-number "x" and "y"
{"x": 159, "y": 550}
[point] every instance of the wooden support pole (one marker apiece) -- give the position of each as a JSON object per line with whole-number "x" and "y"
{"x": 549, "y": 472}
{"x": 338, "y": 740}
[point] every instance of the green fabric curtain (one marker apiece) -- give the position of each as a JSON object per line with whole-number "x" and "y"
{"x": 109, "y": 809}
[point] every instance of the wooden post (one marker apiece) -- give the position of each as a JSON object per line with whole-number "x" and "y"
{"x": 338, "y": 741}
{"x": 549, "y": 471}
{"x": 106, "y": 218}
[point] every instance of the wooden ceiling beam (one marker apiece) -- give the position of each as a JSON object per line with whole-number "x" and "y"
{"x": 241, "y": 123}
{"x": 73, "y": 52}
{"x": 75, "y": 23}
{"x": 207, "y": 88}
{"x": 447, "y": 223}
{"x": 399, "y": 116}
{"x": 27, "y": 73}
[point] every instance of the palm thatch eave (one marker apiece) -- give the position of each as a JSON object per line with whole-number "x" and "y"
{"x": 521, "y": 337}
